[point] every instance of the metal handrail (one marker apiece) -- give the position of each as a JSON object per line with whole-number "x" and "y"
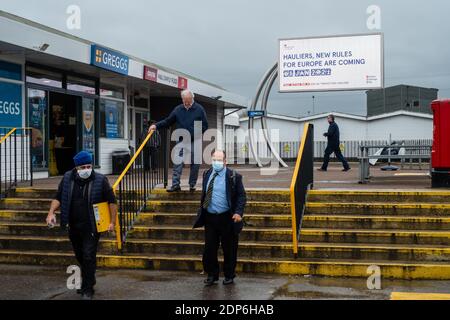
{"x": 302, "y": 181}
{"x": 134, "y": 184}
{"x": 7, "y": 135}
{"x": 15, "y": 158}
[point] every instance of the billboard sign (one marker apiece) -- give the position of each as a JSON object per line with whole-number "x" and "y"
{"x": 349, "y": 62}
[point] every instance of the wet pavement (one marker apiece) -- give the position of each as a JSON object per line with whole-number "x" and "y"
{"x": 44, "y": 283}
{"x": 275, "y": 178}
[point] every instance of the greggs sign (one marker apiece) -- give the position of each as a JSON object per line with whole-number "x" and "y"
{"x": 109, "y": 59}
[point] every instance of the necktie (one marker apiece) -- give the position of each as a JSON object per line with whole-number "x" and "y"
{"x": 209, "y": 192}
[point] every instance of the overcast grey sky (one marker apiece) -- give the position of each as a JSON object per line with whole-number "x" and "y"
{"x": 233, "y": 42}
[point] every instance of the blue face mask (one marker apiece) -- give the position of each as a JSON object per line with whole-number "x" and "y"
{"x": 217, "y": 165}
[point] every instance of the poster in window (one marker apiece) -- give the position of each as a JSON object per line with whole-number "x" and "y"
{"x": 37, "y": 110}
{"x": 111, "y": 117}
{"x": 88, "y": 131}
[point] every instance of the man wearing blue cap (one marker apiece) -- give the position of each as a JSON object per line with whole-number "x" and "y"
{"x": 78, "y": 190}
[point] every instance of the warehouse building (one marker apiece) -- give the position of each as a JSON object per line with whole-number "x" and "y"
{"x": 400, "y": 97}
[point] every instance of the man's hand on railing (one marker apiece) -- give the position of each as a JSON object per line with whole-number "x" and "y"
{"x": 152, "y": 127}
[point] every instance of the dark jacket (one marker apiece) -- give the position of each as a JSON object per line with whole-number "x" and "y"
{"x": 235, "y": 194}
{"x": 185, "y": 118}
{"x": 96, "y": 194}
{"x": 333, "y": 135}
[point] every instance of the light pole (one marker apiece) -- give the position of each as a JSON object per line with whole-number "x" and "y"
{"x": 313, "y": 110}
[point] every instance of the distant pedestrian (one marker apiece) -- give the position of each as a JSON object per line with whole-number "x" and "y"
{"x": 333, "y": 145}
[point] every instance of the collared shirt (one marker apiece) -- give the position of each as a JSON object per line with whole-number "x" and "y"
{"x": 219, "y": 202}
{"x": 188, "y": 106}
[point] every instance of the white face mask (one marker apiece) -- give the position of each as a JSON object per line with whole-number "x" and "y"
{"x": 84, "y": 173}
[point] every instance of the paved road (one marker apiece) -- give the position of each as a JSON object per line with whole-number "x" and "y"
{"x": 281, "y": 178}
{"x": 38, "y": 282}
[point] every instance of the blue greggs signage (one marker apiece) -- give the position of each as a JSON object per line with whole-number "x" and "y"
{"x": 10, "y": 104}
{"x": 109, "y": 59}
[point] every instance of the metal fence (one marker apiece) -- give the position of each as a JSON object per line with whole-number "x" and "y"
{"x": 15, "y": 158}
{"x": 288, "y": 150}
{"x": 147, "y": 168}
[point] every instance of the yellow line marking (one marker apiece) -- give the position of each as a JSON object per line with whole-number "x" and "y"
{"x": 419, "y": 296}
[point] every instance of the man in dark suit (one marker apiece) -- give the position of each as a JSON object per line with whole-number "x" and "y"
{"x": 221, "y": 210}
{"x": 333, "y": 145}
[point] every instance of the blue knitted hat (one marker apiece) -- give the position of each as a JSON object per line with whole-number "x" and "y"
{"x": 81, "y": 158}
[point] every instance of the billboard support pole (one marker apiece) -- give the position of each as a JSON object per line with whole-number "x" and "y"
{"x": 266, "y": 83}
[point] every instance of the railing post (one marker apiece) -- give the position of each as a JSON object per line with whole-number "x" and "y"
{"x": 30, "y": 165}
{"x": 15, "y": 159}
{"x": 166, "y": 157}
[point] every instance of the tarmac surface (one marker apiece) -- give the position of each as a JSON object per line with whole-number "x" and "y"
{"x": 280, "y": 178}
{"x": 49, "y": 283}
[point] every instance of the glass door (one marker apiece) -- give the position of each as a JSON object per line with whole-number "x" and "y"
{"x": 141, "y": 126}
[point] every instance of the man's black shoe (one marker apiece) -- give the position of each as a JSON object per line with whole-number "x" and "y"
{"x": 228, "y": 281}
{"x": 210, "y": 281}
{"x": 174, "y": 188}
{"x": 88, "y": 295}
{"x": 192, "y": 188}
{"x": 79, "y": 291}
{"x": 346, "y": 169}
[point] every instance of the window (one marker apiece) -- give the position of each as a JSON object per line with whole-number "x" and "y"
{"x": 80, "y": 85}
{"x": 44, "y": 77}
{"x": 111, "y": 118}
{"x": 109, "y": 91}
{"x": 10, "y": 71}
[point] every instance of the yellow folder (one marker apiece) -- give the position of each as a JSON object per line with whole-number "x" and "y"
{"x": 102, "y": 216}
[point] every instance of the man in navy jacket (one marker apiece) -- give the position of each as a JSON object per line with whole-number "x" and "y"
{"x": 221, "y": 209}
{"x": 185, "y": 115}
{"x": 333, "y": 145}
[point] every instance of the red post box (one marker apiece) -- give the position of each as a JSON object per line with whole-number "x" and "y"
{"x": 440, "y": 154}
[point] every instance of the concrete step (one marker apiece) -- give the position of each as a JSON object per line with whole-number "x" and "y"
{"x": 252, "y": 195}
{"x": 317, "y": 267}
{"x": 376, "y": 236}
{"x": 24, "y": 215}
{"x": 30, "y": 192}
{"x": 254, "y": 220}
{"x": 255, "y": 250}
{"x": 187, "y": 233}
{"x": 378, "y": 196}
{"x": 30, "y": 229}
{"x": 192, "y": 206}
{"x": 379, "y": 208}
{"x": 376, "y": 222}
{"x": 25, "y": 204}
{"x": 162, "y": 194}
{"x": 152, "y": 206}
